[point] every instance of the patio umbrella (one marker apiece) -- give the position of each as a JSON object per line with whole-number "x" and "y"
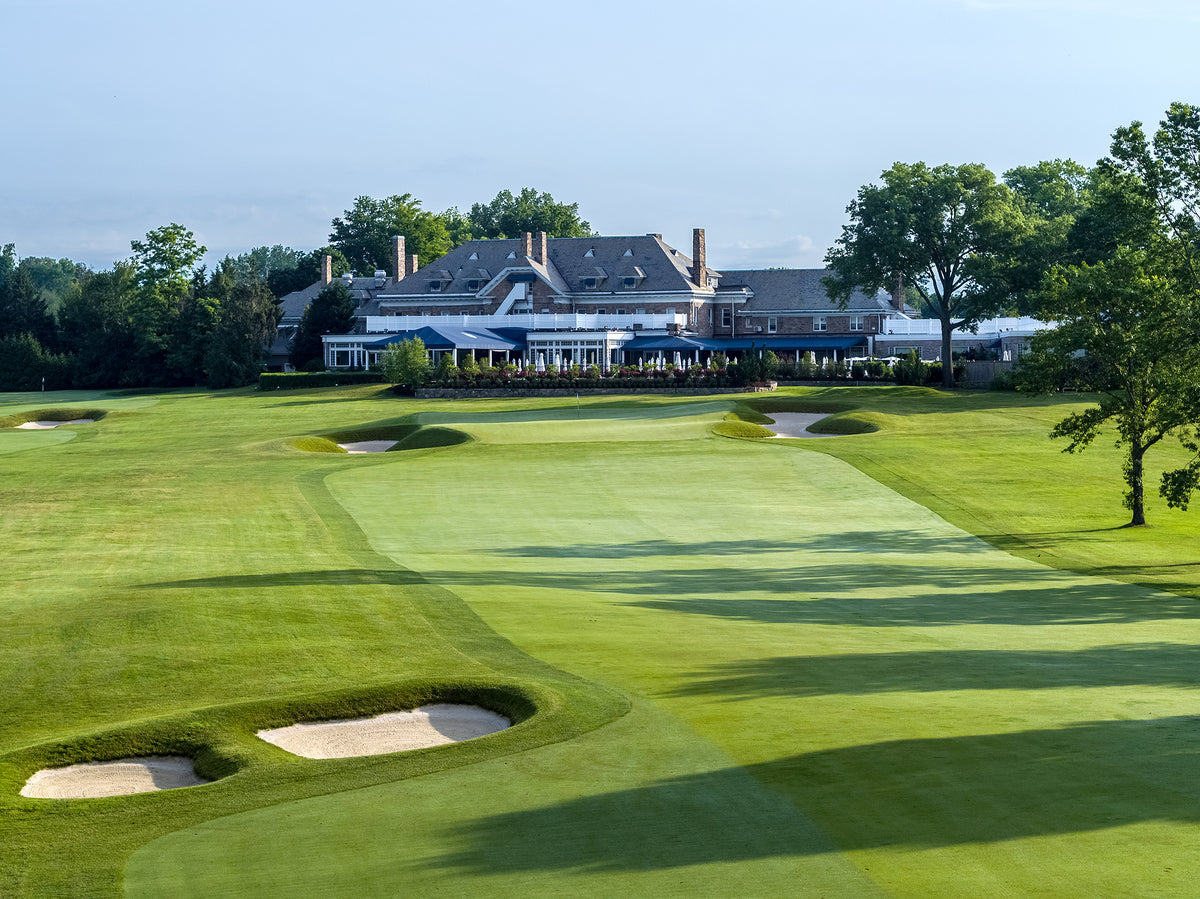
{"x": 541, "y": 362}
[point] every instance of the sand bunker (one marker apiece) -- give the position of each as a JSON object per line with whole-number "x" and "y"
{"x": 794, "y": 424}
{"x": 368, "y": 446}
{"x": 42, "y": 425}
{"x": 429, "y": 725}
{"x": 116, "y": 778}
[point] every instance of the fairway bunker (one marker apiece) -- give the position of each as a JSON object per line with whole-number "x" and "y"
{"x": 121, "y": 777}
{"x": 43, "y": 425}
{"x": 428, "y": 725}
{"x": 368, "y": 446}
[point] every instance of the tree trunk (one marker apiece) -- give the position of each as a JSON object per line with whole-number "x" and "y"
{"x": 947, "y": 354}
{"x": 1136, "y": 496}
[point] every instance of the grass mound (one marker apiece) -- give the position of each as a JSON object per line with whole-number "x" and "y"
{"x": 56, "y": 414}
{"x": 428, "y": 438}
{"x": 396, "y": 432}
{"x": 741, "y": 429}
{"x": 842, "y": 425}
{"x": 407, "y": 436}
{"x": 316, "y": 444}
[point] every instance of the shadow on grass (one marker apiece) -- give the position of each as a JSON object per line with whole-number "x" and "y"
{"x": 1122, "y": 665}
{"x": 348, "y": 577}
{"x": 879, "y": 595}
{"x": 883, "y": 542}
{"x": 905, "y": 793}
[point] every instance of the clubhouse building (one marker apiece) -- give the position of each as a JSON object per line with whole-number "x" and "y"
{"x": 608, "y": 301}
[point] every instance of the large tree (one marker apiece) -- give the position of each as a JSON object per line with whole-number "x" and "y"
{"x": 246, "y": 316}
{"x": 164, "y": 264}
{"x": 1138, "y": 329}
{"x": 1051, "y": 196}
{"x": 510, "y": 216}
{"x": 364, "y": 232}
{"x": 330, "y": 312}
{"x": 1128, "y": 314}
{"x": 946, "y": 231}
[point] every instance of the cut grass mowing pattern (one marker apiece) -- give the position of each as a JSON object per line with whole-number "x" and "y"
{"x": 829, "y": 686}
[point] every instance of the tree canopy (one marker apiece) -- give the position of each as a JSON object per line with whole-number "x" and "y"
{"x": 510, "y": 216}
{"x": 330, "y": 312}
{"x": 363, "y": 234}
{"x": 1128, "y": 313}
{"x": 944, "y": 230}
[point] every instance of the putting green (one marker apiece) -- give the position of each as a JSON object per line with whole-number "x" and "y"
{"x": 815, "y": 661}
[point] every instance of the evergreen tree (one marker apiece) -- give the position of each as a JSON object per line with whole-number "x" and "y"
{"x": 331, "y": 312}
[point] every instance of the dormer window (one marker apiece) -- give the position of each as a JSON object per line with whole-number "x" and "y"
{"x": 589, "y": 283}
{"x": 473, "y": 284}
{"x": 629, "y": 283}
{"x": 435, "y": 285}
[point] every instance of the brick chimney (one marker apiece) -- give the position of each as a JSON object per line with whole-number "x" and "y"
{"x": 539, "y": 247}
{"x": 398, "y": 271}
{"x": 898, "y": 292}
{"x": 526, "y": 243}
{"x": 411, "y": 267}
{"x": 326, "y": 270}
{"x": 699, "y": 269}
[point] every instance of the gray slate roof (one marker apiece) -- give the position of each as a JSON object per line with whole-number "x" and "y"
{"x": 797, "y": 289}
{"x": 658, "y": 264}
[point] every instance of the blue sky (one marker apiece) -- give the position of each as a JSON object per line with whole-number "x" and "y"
{"x": 257, "y": 122}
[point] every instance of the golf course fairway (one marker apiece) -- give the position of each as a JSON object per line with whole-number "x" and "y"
{"x": 757, "y": 670}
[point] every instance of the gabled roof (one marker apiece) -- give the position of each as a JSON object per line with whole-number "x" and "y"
{"x": 663, "y": 267}
{"x": 796, "y": 289}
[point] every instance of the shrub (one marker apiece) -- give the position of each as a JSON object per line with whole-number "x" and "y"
{"x": 911, "y": 370}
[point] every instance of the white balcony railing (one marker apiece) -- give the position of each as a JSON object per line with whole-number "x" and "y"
{"x": 544, "y": 321}
{"x": 931, "y": 327}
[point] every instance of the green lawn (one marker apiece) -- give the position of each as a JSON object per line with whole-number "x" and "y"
{"x": 757, "y": 669}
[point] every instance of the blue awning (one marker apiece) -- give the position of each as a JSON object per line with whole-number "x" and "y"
{"x": 448, "y": 337}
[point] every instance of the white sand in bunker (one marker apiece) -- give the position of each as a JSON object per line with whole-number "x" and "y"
{"x": 42, "y": 425}
{"x": 117, "y": 778}
{"x": 368, "y": 446}
{"x": 429, "y": 725}
{"x": 794, "y": 424}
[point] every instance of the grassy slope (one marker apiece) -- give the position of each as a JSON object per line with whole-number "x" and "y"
{"x": 957, "y": 719}
{"x": 177, "y": 560}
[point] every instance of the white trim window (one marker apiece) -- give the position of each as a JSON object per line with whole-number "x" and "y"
{"x": 857, "y": 322}
{"x": 820, "y": 323}
{"x": 726, "y": 317}
{"x": 772, "y": 324}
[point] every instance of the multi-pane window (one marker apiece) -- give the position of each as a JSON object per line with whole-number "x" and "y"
{"x": 819, "y": 323}
{"x": 772, "y": 324}
{"x": 726, "y": 317}
{"x": 857, "y": 322}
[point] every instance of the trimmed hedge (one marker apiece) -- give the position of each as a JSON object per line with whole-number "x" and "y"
{"x": 297, "y": 380}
